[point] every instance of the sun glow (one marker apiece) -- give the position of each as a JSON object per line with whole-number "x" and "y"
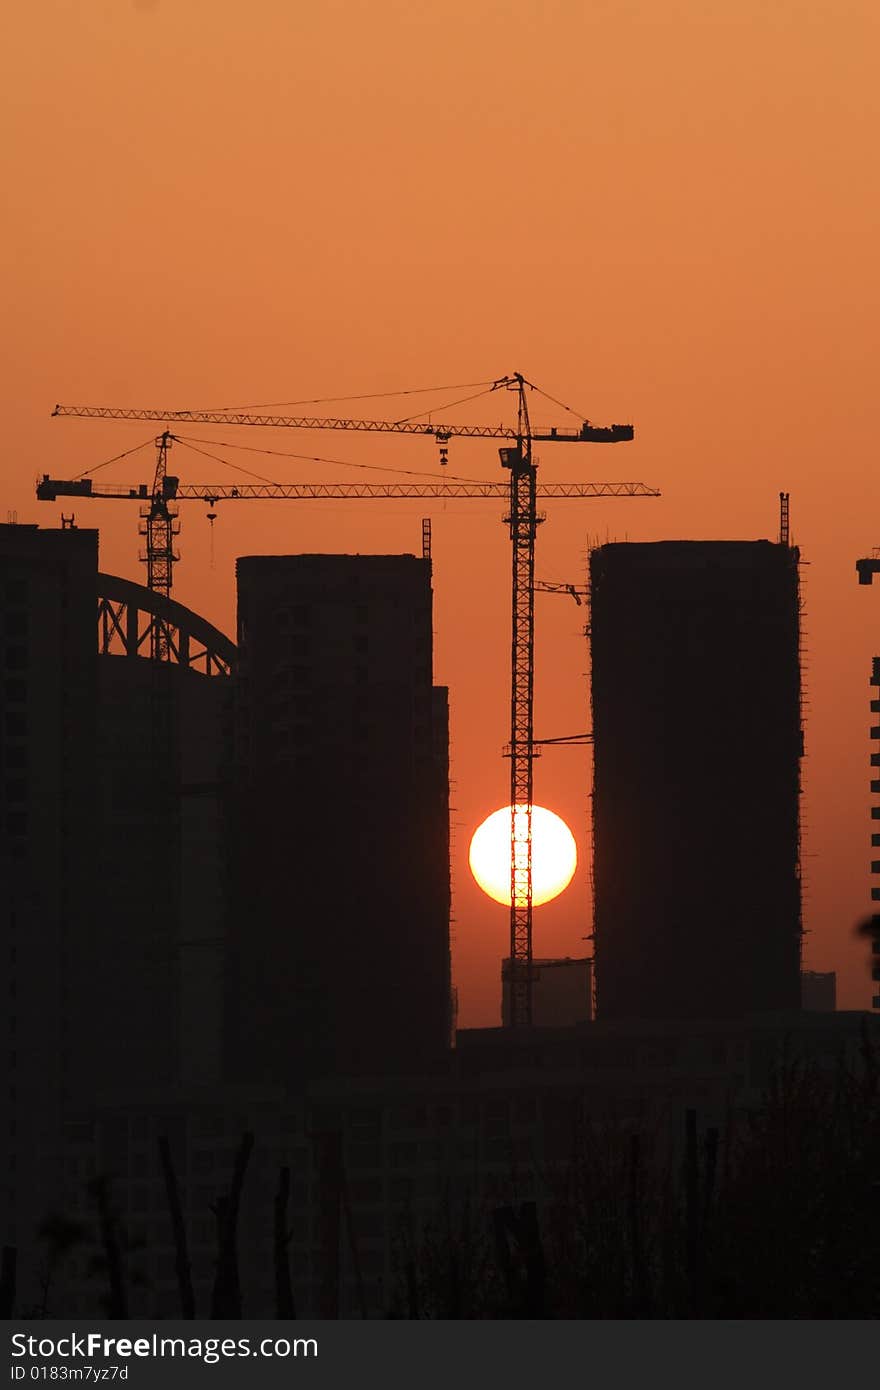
{"x": 554, "y": 855}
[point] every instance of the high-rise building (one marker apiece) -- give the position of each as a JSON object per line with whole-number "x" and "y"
{"x": 697, "y": 731}
{"x": 47, "y": 801}
{"x": 111, "y": 770}
{"x": 151, "y": 952}
{"x": 875, "y": 816}
{"x": 339, "y": 921}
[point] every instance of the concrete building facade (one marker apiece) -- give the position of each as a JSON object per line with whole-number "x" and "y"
{"x": 47, "y": 802}
{"x": 875, "y": 835}
{"x": 111, "y": 824}
{"x": 697, "y": 733}
{"x": 339, "y": 895}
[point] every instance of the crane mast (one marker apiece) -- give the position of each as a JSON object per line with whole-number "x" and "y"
{"x": 523, "y": 522}
{"x": 522, "y": 519}
{"x": 159, "y": 528}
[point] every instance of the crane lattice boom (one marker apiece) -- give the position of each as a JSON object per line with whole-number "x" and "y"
{"x": 588, "y": 433}
{"x": 48, "y": 489}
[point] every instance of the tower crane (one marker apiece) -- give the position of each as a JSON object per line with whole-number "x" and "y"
{"x": 523, "y": 518}
{"x": 159, "y": 529}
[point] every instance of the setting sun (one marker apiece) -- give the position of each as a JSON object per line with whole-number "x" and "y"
{"x": 554, "y": 855}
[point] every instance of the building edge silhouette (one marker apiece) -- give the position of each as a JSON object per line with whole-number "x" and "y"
{"x": 372, "y": 1144}
{"x": 695, "y": 686}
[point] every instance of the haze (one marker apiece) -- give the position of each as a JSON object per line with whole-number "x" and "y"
{"x": 663, "y": 214}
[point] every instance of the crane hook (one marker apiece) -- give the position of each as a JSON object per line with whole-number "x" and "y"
{"x": 212, "y": 517}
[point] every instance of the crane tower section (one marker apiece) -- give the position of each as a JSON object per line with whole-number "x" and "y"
{"x": 159, "y": 527}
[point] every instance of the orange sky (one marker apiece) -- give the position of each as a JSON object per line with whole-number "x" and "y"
{"x": 660, "y": 213}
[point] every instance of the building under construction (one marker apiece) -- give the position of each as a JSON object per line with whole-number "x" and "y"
{"x": 697, "y": 729}
{"x": 339, "y": 890}
{"x": 110, "y": 847}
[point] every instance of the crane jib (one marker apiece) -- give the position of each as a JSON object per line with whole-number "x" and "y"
{"x": 50, "y": 489}
{"x": 587, "y": 433}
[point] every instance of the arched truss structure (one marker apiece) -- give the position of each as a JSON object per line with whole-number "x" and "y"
{"x": 130, "y": 616}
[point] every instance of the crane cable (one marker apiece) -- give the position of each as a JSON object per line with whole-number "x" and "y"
{"x": 278, "y": 453}
{"x": 561, "y": 404}
{"x": 450, "y": 405}
{"x": 115, "y": 459}
{"x": 489, "y": 387}
{"x": 368, "y": 396}
{"x": 216, "y": 459}
{"x": 191, "y": 441}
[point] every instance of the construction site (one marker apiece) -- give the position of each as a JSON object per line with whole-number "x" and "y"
{"x": 234, "y": 855}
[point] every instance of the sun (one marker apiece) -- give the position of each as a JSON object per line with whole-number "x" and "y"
{"x": 554, "y": 855}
